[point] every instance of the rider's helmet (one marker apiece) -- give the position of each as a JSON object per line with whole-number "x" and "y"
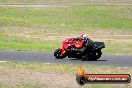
{"x": 83, "y": 36}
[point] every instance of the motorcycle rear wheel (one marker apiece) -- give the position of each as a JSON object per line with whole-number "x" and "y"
{"x": 98, "y": 54}
{"x": 94, "y": 55}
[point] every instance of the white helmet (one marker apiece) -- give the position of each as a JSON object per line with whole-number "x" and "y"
{"x": 83, "y": 35}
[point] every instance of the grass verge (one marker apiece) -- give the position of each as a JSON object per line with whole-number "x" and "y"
{"x": 40, "y": 75}
{"x": 68, "y": 18}
{"x": 43, "y": 28}
{"x": 69, "y": 1}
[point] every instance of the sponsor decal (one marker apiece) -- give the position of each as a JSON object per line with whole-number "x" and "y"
{"x": 82, "y": 78}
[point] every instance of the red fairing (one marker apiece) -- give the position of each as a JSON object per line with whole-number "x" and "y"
{"x": 78, "y": 44}
{"x": 69, "y": 42}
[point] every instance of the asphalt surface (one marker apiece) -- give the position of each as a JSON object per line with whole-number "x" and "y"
{"x": 46, "y": 57}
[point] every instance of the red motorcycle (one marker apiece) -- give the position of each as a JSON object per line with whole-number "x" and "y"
{"x": 69, "y": 44}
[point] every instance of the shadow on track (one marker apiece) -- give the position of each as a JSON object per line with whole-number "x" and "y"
{"x": 87, "y": 60}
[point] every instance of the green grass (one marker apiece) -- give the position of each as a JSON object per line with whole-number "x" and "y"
{"x": 31, "y": 85}
{"x": 69, "y": 1}
{"x": 30, "y": 28}
{"x": 50, "y": 46}
{"x": 24, "y": 85}
{"x": 24, "y": 69}
{"x": 101, "y": 86}
{"x": 46, "y": 46}
{"x": 118, "y": 48}
{"x": 66, "y": 68}
{"x": 68, "y": 18}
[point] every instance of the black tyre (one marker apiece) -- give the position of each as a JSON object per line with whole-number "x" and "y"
{"x": 94, "y": 55}
{"x": 97, "y": 54}
{"x": 81, "y": 80}
{"x": 57, "y": 54}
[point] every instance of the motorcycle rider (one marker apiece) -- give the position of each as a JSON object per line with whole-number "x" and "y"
{"x": 87, "y": 44}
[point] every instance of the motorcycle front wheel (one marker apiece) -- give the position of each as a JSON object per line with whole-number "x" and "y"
{"x": 57, "y": 54}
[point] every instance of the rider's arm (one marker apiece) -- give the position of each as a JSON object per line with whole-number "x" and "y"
{"x": 91, "y": 43}
{"x": 81, "y": 50}
{"x": 87, "y": 43}
{"x": 77, "y": 38}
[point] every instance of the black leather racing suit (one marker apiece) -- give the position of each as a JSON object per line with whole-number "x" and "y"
{"x": 87, "y": 44}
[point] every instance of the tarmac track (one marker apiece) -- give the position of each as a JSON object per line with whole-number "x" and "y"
{"x": 46, "y": 57}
